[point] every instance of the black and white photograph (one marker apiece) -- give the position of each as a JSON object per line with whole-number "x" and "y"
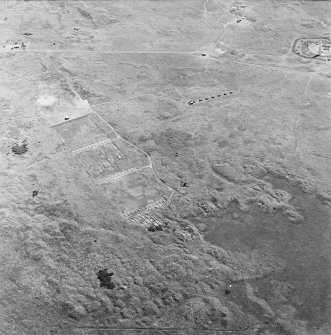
{"x": 165, "y": 167}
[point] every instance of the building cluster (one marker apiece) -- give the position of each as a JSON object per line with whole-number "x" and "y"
{"x": 324, "y": 49}
{"x": 12, "y": 47}
{"x": 313, "y": 48}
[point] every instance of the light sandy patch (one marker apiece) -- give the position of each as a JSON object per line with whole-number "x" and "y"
{"x": 46, "y": 100}
{"x": 68, "y": 110}
{"x": 81, "y": 103}
{"x": 314, "y": 48}
{"x": 6, "y": 92}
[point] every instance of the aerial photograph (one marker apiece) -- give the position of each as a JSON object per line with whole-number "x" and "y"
{"x": 165, "y": 167}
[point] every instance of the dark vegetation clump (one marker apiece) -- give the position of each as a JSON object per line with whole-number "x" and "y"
{"x": 154, "y": 228}
{"x": 224, "y": 322}
{"x": 59, "y": 210}
{"x": 105, "y": 279}
{"x": 20, "y": 149}
{"x": 35, "y": 193}
{"x": 84, "y": 13}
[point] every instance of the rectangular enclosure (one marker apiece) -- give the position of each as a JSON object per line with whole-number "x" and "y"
{"x": 110, "y": 158}
{"x": 137, "y": 191}
{"x": 85, "y": 131}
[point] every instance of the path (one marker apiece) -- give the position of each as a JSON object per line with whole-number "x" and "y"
{"x": 205, "y": 10}
{"x": 219, "y": 331}
{"x": 233, "y": 21}
{"x": 313, "y": 99}
{"x": 119, "y": 52}
{"x": 118, "y": 136}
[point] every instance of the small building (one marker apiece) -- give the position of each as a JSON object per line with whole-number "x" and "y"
{"x": 11, "y": 47}
{"x": 326, "y": 50}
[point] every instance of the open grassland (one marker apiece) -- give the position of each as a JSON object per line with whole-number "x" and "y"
{"x": 121, "y": 147}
